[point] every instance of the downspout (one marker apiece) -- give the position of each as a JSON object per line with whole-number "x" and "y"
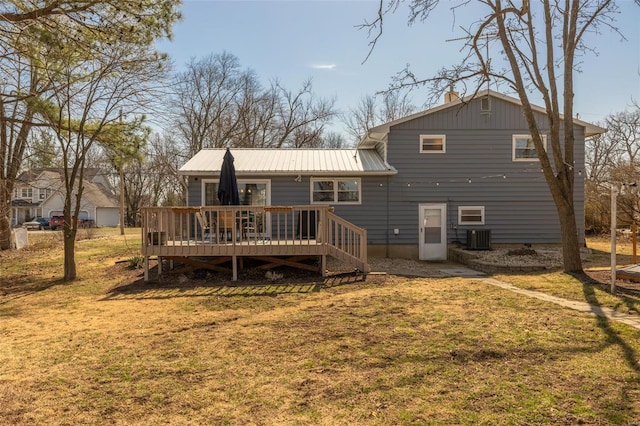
{"x": 387, "y": 227}
{"x": 185, "y": 179}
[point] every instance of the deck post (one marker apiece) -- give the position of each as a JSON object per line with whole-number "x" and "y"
{"x": 323, "y": 265}
{"x": 146, "y": 268}
{"x": 159, "y": 267}
{"x": 234, "y": 262}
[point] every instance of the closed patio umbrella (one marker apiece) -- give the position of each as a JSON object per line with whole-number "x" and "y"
{"x": 228, "y": 185}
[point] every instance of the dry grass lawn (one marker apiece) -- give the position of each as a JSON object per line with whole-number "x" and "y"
{"x": 108, "y": 349}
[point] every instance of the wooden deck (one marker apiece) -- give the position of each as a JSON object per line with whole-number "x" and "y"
{"x": 279, "y": 234}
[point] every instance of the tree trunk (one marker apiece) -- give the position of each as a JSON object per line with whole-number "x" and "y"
{"x": 572, "y": 262}
{"x": 6, "y": 240}
{"x": 6, "y": 187}
{"x": 70, "y": 273}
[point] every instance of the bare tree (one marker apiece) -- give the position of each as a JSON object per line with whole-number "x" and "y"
{"x": 205, "y": 101}
{"x": 539, "y": 44}
{"x": 369, "y": 113}
{"x": 301, "y": 117}
{"x": 361, "y": 118}
{"x": 623, "y": 131}
{"x": 34, "y": 36}
{"x": 21, "y": 81}
{"x": 334, "y": 140}
{"x": 256, "y": 115}
{"x": 42, "y": 150}
{"x": 626, "y": 177}
{"x": 164, "y": 160}
{"x": 86, "y": 111}
{"x": 601, "y": 155}
{"x": 612, "y": 159}
{"x": 217, "y": 103}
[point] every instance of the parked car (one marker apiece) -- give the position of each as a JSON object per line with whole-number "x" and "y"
{"x": 57, "y": 221}
{"x": 37, "y": 223}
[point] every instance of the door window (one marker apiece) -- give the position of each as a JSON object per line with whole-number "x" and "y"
{"x": 432, "y": 226}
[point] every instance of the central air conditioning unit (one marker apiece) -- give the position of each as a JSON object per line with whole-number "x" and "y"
{"x": 478, "y": 239}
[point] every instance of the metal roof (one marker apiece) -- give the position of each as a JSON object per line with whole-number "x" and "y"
{"x": 271, "y": 161}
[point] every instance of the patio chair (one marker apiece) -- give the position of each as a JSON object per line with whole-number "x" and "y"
{"x": 203, "y": 221}
{"x": 226, "y": 223}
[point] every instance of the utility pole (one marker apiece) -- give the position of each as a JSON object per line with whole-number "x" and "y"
{"x": 121, "y": 173}
{"x": 614, "y": 225}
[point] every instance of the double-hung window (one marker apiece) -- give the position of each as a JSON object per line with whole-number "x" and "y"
{"x": 44, "y": 193}
{"x": 26, "y": 192}
{"x": 433, "y": 144}
{"x": 335, "y": 191}
{"x": 523, "y": 148}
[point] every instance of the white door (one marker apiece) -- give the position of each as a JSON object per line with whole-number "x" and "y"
{"x": 433, "y": 231}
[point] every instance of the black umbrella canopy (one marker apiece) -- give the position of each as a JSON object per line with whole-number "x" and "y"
{"x": 228, "y": 185}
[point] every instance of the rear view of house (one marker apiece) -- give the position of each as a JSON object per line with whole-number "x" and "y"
{"x": 468, "y": 172}
{"x": 463, "y": 172}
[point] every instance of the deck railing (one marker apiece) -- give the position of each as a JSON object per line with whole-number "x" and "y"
{"x": 251, "y": 231}
{"x": 346, "y": 241}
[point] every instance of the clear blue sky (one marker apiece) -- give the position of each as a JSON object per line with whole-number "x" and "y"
{"x": 299, "y": 39}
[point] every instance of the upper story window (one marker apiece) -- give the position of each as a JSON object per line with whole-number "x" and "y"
{"x": 523, "y": 148}
{"x": 335, "y": 191}
{"x": 433, "y": 144}
{"x": 44, "y": 193}
{"x": 25, "y": 192}
{"x": 471, "y": 215}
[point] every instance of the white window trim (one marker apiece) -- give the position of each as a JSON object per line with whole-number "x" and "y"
{"x": 482, "y": 215}
{"x": 265, "y": 181}
{"x": 513, "y": 147}
{"x": 444, "y": 144}
{"x": 335, "y": 191}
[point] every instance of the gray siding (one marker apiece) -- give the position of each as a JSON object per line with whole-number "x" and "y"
{"x": 371, "y": 214}
{"x": 477, "y": 169}
{"x": 518, "y": 205}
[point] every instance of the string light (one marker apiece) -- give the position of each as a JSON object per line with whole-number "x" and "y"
{"x": 533, "y": 170}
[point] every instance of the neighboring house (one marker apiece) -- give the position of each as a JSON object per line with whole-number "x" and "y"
{"x": 418, "y": 183}
{"x": 40, "y": 193}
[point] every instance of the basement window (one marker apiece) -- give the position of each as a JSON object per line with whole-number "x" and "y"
{"x": 471, "y": 215}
